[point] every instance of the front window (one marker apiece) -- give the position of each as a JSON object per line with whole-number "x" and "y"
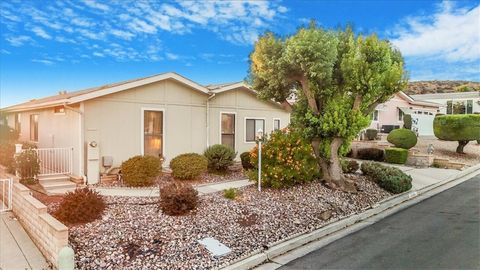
{"x": 375, "y": 115}
{"x": 400, "y": 115}
{"x": 228, "y": 129}
{"x": 276, "y": 124}
{"x": 251, "y": 128}
{"x": 153, "y": 133}
{"x": 449, "y": 107}
{"x": 459, "y": 107}
{"x": 470, "y": 106}
{"x": 18, "y": 126}
{"x": 59, "y": 110}
{"x": 34, "y": 127}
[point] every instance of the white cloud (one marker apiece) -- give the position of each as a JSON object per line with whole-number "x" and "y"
{"x": 40, "y": 32}
{"x": 5, "y": 51}
{"x": 99, "y": 54}
{"x": 451, "y": 34}
{"x": 171, "y": 56}
{"x": 122, "y": 34}
{"x": 43, "y": 61}
{"x": 96, "y": 5}
{"x": 18, "y": 41}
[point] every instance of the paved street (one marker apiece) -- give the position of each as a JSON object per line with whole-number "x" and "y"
{"x": 442, "y": 232}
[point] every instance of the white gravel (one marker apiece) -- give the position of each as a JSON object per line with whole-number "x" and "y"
{"x": 135, "y": 234}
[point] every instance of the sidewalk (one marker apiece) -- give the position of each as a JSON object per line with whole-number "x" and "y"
{"x": 17, "y": 251}
{"x": 154, "y": 191}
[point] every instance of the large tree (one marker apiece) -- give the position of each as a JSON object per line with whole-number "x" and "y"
{"x": 338, "y": 79}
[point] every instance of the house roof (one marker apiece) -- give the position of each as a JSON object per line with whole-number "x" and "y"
{"x": 456, "y": 95}
{"x": 414, "y": 101}
{"x": 78, "y": 96}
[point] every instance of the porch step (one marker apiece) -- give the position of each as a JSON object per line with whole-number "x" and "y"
{"x": 60, "y": 191}
{"x": 53, "y": 179}
{"x": 58, "y": 185}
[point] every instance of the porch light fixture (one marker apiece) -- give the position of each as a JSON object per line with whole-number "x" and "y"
{"x": 259, "y": 140}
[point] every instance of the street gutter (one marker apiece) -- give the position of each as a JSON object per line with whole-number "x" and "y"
{"x": 298, "y": 245}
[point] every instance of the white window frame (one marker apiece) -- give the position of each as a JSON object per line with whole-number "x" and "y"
{"x": 245, "y": 127}
{"x": 30, "y": 127}
{"x": 59, "y": 113}
{"x": 142, "y": 129}
{"x": 220, "y": 128}
{"x": 279, "y": 124}
{"x": 465, "y": 103}
{"x": 373, "y": 115}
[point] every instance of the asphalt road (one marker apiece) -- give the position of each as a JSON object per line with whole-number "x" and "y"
{"x": 442, "y": 232}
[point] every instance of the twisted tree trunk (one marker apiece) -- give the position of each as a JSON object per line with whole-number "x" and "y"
{"x": 331, "y": 168}
{"x": 461, "y": 145}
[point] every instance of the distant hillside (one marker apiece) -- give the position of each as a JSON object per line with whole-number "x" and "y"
{"x": 426, "y": 87}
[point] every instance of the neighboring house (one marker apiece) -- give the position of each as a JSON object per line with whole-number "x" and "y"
{"x": 163, "y": 115}
{"x": 389, "y": 115}
{"x": 454, "y": 103}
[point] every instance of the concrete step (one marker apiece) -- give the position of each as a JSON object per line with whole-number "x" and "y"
{"x": 58, "y": 185}
{"x": 50, "y": 177}
{"x": 60, "y": 191}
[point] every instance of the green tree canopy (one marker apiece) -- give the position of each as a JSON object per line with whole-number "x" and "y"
{"x": 338, "y": 79}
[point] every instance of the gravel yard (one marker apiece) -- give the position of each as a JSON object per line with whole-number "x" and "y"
{"x": 446, "y": 149}
{"x": 134, "y": 234}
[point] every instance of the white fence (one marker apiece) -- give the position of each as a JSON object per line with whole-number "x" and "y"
{"x": 6, "y": 194}
{"x": 55, "y": 160}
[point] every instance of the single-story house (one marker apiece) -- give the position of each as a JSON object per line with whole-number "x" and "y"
{"x": 389, "y": 115}
{"x": 162, "y": 115}
{"x": 454, "y": 103}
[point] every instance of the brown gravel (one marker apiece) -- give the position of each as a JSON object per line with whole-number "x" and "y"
{"x": 446, "y": 149}
{"x": 134, "y": 234}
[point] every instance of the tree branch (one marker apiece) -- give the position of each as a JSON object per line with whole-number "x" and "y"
{"x": 312, "y": 103}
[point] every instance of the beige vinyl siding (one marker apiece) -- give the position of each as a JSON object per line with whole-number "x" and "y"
{"x": 245, "y": 105}
{"x": 115, "y": 121}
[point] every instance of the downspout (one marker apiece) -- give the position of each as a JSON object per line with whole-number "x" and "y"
{"x": 81, "y": 151}
{"x": 208, "y": 118}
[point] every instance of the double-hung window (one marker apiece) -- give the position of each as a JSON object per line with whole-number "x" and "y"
{"x": 276, "y": 124}
{"x": 375, "y": 115}
{"x": 228, "y": 129}
{"x": 18, "y": 124}
{"x": 251, "y": 127}
{"x": 34, "y": 127}
{"x": 153, "y": 133}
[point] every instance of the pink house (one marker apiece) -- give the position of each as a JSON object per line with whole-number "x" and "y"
{"x": 389, "y": 115}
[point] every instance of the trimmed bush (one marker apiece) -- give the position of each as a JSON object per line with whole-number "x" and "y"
{"x": 178, "y": 198}
{"x": 141, "y": 171}
{"x": 230, "y": 193}
{"x": 371, "y": 134}
{"x": 246, "y": 161}
{"x": 389, "y": 178}
{"x": 402, "y": 138}
{"x": 370, "y": 154}
{"x": 396, "y": 155}
{"x": 7, "y": 152}
{"x": 80, "y": 206}
{"x": 407, "y": 121}
{"x": 287, "y": 160}
{"x": 8, "y": 134}
{"x": 457, "y": 127}
{"x": 188, "y": 166}
{"x": 219, "y": 157}
{"x": 349, "y": 166}
{"x": 28, "y": 165}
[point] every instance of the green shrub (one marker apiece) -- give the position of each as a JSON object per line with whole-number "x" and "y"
{"x": 27, "y": 164}
{"x": 402, "y": 138}
{"x": 140, "y": 171}
{"x": 80, "y": 206}
{"x": 246, "y": 161}
{"x": 28, "y": 145}
{"x": 407, "y": 121}
{"x": 8, "y": 134}
{"x": 287, "y": 160}
{"x": 230, "y": 193}
{"x": 178, "y": 198}
{"x": 349, "y": 166}
{"x": 375, "y": 154}
{"x": 219, "y": 157}
{"x": 396, "y": 155}
{"x": 389, "y": 178}
{"x": 371, "y": 134}
{"x": 188, "y": 166}
{"x": 7, "y": 152}
{"x": 457, "y": 127}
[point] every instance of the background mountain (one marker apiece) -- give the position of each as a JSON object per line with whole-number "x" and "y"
{"x": 427, "y": 87}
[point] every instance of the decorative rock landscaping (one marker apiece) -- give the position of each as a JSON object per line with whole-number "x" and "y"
{"x": 135, "y": 234}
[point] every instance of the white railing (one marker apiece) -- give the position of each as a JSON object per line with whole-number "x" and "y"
{"x": 55, "y": 160}
{"x": 6, "y": 194}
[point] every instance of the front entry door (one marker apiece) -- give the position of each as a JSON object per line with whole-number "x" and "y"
{"x": 153, "y": 133}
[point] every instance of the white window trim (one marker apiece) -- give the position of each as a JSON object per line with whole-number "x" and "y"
{"x": 220, "y": 129}
{"x": 378, "y": 116}
{"x": 142, "y": 130}
{"x": 30, "y": 128}
{"x": 273, "y": 124}
{"x": 245, "y": 127}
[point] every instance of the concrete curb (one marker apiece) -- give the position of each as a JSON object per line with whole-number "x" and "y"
{"x": 275, "y": 255}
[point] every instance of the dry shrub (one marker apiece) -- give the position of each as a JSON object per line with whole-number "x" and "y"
{"x": 81, "y": 206}
{"x": 178, "y": 198}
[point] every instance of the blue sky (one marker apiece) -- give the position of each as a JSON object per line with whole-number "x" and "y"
{"x": 47, "y": 46}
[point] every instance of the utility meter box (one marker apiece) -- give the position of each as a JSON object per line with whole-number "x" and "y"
{"x": 93, "y": 162}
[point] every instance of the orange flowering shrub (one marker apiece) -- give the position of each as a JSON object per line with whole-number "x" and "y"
{"x": 287, "y": 160}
